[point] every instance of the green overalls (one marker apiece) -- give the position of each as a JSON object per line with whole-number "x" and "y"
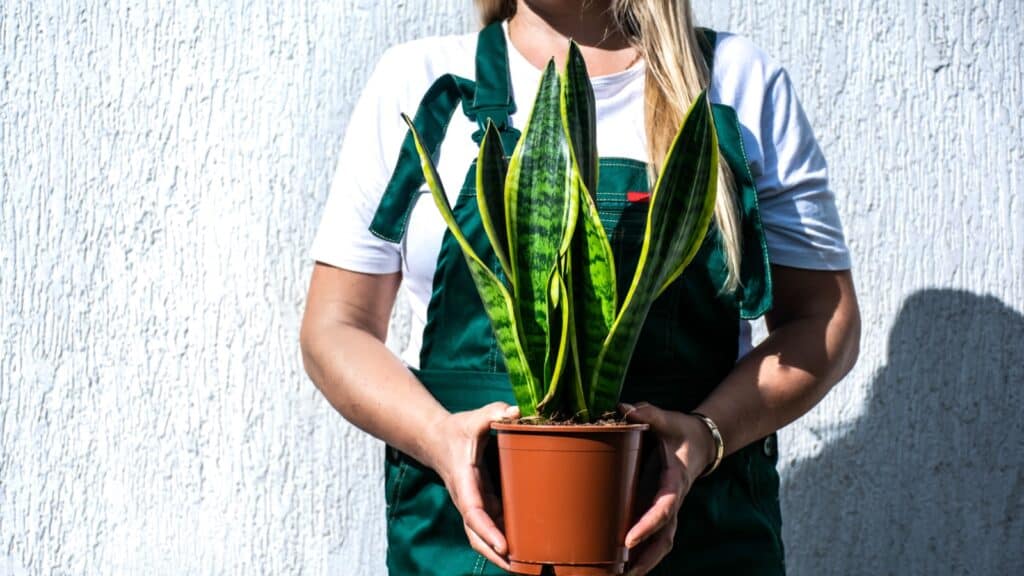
{"x": 729, "y": 522}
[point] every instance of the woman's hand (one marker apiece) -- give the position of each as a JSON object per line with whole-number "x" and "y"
{"x": 686, "y": 449}
{"x": 457, "y": 456}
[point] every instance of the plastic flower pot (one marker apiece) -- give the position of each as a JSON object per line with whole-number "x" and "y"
{"x": 568, "y": 493}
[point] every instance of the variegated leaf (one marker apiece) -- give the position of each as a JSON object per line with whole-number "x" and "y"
{"x": 679, "y": 214}
{"x": 540, "y": 215}
{"x": 497, "y": 301}
{"x": 559, "y": 354}
{"x": 594, "y": 286}
{"x": 580, "y": 118}
{"x": 490, "y": 194}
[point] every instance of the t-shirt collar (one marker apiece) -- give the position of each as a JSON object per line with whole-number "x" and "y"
{"x": 604, "y": 86}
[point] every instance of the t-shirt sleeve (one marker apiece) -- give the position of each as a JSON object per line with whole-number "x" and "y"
{"x": 368, "y": 153}
{"x": 798, "y": 209}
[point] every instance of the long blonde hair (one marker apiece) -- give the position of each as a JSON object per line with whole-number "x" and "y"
{"x": 664, "y": 34}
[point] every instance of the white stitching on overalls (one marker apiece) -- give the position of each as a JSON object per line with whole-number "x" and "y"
{"x": 402, "y": 467}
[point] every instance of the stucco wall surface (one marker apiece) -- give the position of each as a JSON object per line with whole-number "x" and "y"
{"x": 162, "y": 171}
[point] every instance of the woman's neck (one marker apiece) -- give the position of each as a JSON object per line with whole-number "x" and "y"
{"x": 540, "y": 30}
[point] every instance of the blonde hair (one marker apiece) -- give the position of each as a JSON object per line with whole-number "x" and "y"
{"x": 664, "y": 34}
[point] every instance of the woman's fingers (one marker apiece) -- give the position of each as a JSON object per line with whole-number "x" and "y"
{"x": 461, "y": 443}
{"x": 467, "y": 480}
{"x": 644, "y": 413}
{"x": 653, "y": 551}
{"x": 466, "y": 493}
{"x": 470, "y": 491}
{"x": 662, "y": 512}
{"x": 656, "y": 527}
{"x": 494, "y": 411}
{"x": 482, "y": 524}
{"x": 492, "y": 502}
{"x": 483, "y": 533}
{"x": 486, "y": 551}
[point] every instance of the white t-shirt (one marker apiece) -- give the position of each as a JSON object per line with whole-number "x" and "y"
{"x": 802, "y": 226}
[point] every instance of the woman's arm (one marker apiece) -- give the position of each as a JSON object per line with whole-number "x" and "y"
{"x": 343, "y": 333}
{"x": 813, "y": 341}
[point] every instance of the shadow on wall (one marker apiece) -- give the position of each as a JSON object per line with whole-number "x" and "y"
{"x": 930, "y": 479}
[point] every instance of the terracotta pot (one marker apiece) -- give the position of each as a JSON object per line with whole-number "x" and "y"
{"x": 567, "y": 494}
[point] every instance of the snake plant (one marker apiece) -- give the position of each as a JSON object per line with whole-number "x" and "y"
{"x": 552, "y": 295}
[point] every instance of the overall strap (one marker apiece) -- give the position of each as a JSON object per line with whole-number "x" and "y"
{"x": 754, "y": 295}
{"x": 487, "y": 99}
{"x": 493, "y": 100}
{"x": 431, "y": 122}
{"x": 755, "y": 292}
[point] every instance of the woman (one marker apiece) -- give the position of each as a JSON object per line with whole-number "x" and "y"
{"x": 776, "y": 248}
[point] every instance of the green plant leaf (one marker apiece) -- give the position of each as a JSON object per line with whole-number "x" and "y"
{"x": 593, "y": 281}
{"x": 540, "y": 215}
{"x": 558, "y": 346}
{"x": 496, "y": 299}
{"x": 490, "y": 194}
{"x": 579, "y": 117}
{"x": 574, "y": 375}
{"x": 595, "y": 296}
{"x": 678, "y": 217}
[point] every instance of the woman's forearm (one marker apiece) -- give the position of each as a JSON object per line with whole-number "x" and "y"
{"x": 343, "y": 334}
{"x": 342, "y": 337}
{"x": 372, "y": 388}
{"x": 813, "y": 342}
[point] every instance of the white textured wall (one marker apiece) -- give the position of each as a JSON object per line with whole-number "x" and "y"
{"x": 163, "y": 167}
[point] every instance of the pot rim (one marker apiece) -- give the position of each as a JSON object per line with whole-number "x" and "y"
{"x": 567, "y": 428}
